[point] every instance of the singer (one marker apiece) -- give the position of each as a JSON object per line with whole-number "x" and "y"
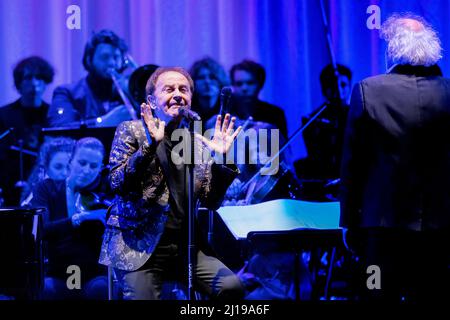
{"x": 146, "y": 232}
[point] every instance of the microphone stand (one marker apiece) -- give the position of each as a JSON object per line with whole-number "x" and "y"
{"x": 211, "y": 212}
{"x": 331, "y": 53}
{"x": 21, "y": 183}
{"x": 4, "y": 134}
{"x": 322, "y": 109}
{"x": 189, "y": 185}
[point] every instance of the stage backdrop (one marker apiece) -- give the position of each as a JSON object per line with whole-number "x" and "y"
{"x": 286, "y": 36}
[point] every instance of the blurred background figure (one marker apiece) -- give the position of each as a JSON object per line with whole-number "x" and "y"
{"x": 26, "y": 116}
{"x": 94, "y": 95}
{"x": 323, "y": 138}
{"x": 334, "y": 89}
{"x": 395, "y": 189}
{"x": 209, "y": 79}
{"x": 137, "y": 82}
{"x": 74, "y": 223}
{"x": 53, "y": 163}
{"x": 247, "y": 79}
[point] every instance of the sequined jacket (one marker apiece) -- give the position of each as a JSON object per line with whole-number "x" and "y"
{"x": 147, "y": 185}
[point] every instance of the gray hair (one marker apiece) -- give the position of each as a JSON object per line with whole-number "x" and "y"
{"x": 409, "y": 45}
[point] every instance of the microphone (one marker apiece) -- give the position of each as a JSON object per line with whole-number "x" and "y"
{"x": 225, "y": 95}
{"x": 189, "y": 114}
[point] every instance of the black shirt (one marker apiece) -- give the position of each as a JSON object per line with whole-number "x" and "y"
{"x": 260, "y": 111}
{"x": 27, "y": 123}
{"x": 67, "y": 245}
{"x": 324, "y": 142}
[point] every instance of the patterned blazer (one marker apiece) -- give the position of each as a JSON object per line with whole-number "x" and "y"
{"x": 146, "y": 183}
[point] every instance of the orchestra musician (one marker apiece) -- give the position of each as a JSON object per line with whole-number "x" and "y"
{"x": 94, "y": 99}
{"x": 53, "y": 163}
{"x": 23, "y": 119}
{"x": 74, "y": 223}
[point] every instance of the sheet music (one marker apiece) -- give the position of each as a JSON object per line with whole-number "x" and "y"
{"x": 282, "y": 214}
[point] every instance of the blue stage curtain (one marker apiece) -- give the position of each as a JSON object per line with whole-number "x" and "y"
{"x": 286, "y": 36}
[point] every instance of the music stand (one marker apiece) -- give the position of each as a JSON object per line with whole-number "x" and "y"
{"x": 296, "y": 241}
{"x": 286, "y": 224}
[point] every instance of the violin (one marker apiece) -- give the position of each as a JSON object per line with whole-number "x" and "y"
{"x": 89, "y": 198}
{"x": 262, "y": 187}
{"x": 88, "y": 201}
{"x": 261, "y": 184}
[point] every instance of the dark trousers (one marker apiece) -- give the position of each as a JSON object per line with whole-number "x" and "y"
{"x": 93, "y": 289}
{"x": 168, "y": 264}
{"x": 414, "y": 266}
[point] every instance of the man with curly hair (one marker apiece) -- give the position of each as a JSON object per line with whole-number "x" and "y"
{"x": 93, "y": 99}
{"x": 396, "y": 168}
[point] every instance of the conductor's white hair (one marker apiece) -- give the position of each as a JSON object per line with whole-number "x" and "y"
{"x": 409, "y": 45}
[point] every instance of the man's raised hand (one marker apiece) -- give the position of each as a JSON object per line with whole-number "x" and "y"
{"x": 154, "y": 125}
{"x": 223, "y": 135}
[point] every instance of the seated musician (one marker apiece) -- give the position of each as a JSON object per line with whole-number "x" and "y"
{"x": 250, "y": 156}
{"x": 74, "y": 223}
{"x": 53, "y": 163}
{"x": 209, "y": 79}
{"x": 94, "y": 99}
{"x": 247, "y": 79}
{"x": 320, "y": 170}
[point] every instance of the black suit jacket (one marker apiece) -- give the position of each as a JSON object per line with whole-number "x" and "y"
{"x": 148, "y": 183}
{"x": 396, "y": 158}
